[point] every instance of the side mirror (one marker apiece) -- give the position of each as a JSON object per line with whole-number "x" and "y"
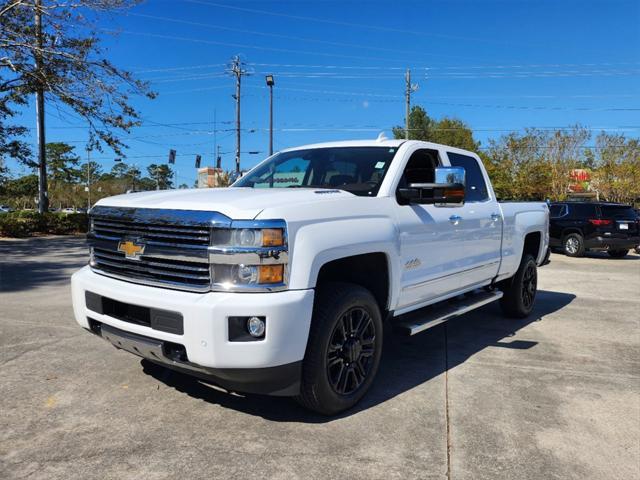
{"x": 446, "y": 191}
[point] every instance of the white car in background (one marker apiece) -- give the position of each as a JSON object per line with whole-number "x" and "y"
{"x": 70, "y": 210}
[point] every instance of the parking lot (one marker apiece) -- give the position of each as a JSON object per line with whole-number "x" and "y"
{"x": 553, "y": 396}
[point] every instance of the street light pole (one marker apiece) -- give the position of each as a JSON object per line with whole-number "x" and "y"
{"x": 270, "y": 83}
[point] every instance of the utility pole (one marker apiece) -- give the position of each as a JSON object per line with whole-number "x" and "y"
{"x": 88, "y": 179}
{"x": 409, "y": 89}
{"x": 215, "y": 132}
{"x": 43, "y": 198}
{"x": 237, "y": 69}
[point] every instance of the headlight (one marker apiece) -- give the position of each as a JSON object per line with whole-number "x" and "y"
{"x": 250, "y": 256}
{"x": 250, "y": 237}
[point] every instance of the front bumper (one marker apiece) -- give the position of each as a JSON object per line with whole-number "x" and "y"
{"x": 206, "y": 337}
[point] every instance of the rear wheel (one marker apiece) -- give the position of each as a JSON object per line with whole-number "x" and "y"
{"x": 344, "y": 348}
{"x": 618, "y": 253}
{"x": 520, "y": 290}
{"x": 573, "y": 245}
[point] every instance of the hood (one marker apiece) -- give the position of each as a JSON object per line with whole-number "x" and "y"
{"x": 235, "y": 203}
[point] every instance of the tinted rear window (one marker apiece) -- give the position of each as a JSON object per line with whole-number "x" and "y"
{"x": 617, "y": 211}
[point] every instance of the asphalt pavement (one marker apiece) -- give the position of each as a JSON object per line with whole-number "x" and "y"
{"x": 483, "y": 397}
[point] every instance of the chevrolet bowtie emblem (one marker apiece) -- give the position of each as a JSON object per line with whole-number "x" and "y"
{"x": 131, "y": 249}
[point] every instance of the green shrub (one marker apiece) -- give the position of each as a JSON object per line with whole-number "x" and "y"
{"x": 12, "y": 226}
{"x": 27, "y": 223}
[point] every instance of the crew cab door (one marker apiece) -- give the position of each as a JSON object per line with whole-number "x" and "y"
{"x": 481, "y": 235}
{"x": 444, "y": 249}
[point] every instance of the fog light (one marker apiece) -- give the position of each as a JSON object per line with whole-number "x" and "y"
{"x": 255, "y": 327}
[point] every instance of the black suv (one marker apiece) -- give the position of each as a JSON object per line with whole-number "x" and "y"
{"x": 579, "y": 226}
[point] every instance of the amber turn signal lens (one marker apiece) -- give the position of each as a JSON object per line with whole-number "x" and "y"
{"x": 272, "y": 237}
{"x": 271, "y": 274}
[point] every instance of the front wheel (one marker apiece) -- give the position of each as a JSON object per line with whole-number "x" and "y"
{"x": 520, "y": 290}
{"x": 344, "y": 348}
{"x": 618, "y": 253}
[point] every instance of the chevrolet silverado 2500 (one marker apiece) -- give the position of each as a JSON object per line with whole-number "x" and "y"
{"x": 281, "y": 283}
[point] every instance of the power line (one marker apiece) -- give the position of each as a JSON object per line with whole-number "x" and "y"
{"x": 351, "y": 74}
{"x": 450, "y": 67}
{"x": 245, "y": 46}
{"x": 343, "y": 23}
{"x": 287, "y": 37}
{"x": 171, "y": 69}
{"x": 387, "y": 67}
{"x": 397, "y": 98}
{"x": 191, "y": 90}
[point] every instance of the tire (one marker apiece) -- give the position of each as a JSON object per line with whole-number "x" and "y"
{"x": 520, "y": 290}
{"x": 339, "y": 368}
{"x": 618, "y": 253}
{"x": 573, "y": 245}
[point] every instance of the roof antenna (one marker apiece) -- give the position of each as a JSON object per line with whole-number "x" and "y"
{"x": 382, "y": 137}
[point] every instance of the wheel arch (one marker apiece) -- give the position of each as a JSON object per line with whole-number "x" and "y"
{"x": 369, "y": 270}
{"x": 569, "y": 230}
{"x": 532, "y": 245}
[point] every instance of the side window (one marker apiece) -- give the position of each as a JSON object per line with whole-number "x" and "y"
{"x": 557, "y": 211}
{"x": 420, "y": 168}
{"x": 584, "y": 210}
{"x": 476, "y": 188}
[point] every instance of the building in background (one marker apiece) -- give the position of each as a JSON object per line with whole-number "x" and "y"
{"x": 209, "y": 177}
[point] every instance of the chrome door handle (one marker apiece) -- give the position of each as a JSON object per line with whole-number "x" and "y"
{"x": 455, "y": 219}
{"x": 495, "y": 217}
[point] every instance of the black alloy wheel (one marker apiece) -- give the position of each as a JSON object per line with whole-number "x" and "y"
{"x": 350, "y": 351}
{"x": 519, "y": 291}
{"x": 529, "y": 285}
{"x": 343, "y": 350}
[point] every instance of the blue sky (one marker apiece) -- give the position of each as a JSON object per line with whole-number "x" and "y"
{"x": 339, "y": 67}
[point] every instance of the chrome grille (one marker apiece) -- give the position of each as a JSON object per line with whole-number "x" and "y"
{"x": 176, "y": 272}
{"x": 176, "y": 244}
{"x": 156, "y": 233}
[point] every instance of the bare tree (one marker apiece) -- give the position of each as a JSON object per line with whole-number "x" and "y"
{"x": 51, "y": 49}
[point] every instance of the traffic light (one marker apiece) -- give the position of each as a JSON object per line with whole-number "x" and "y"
{"x": 198, "y": 160}
{"x": 172, "y": 156}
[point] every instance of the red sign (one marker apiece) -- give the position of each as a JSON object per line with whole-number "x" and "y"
{"x": 581, "y": 179}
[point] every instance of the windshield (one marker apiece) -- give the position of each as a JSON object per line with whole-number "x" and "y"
{"x": 359, "y": 170}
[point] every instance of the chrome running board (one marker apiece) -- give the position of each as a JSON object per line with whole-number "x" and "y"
{"x": 427, "y": 317}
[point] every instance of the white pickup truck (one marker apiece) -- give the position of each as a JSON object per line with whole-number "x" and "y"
{"x": 281, "y": 283}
